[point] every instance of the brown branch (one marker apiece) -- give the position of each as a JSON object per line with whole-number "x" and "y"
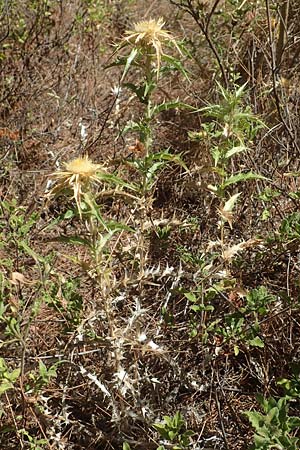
{"x": 274, "y": 70}
{"x": 204, "y": 27}
{"x": 284, "y": 13}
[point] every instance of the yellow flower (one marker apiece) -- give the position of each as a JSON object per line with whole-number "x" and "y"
{"x": 150, "y": 33}
{"x": 78, "y": 175}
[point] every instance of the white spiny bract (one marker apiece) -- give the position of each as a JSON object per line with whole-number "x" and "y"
{"x": 95, "y": 380}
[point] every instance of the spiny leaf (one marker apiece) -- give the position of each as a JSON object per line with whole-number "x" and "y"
{"x": 235, "y": 150}
{"x": 71, "y": 240}
{"x": 115, "y": 180}
{"x": 129, "y": 61}
{"x": 176, "y": 64}
{"x": 166, "y": 106}
{"x": 229, "y": 205}
{"x": 242, "y": 177}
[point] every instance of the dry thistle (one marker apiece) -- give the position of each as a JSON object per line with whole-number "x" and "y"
{"x": 79, "y": 174}
{"x": 149, "y": 34}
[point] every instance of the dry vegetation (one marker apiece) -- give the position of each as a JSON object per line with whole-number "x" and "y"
{"x": 149, "y": 196}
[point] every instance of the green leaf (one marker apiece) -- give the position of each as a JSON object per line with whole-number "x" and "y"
{"x": 255, "y": 418}
{"x": 161, "y": 428}
{"x": 242, "y": 177}
{"x": 235, "y": 150}
{"x": 236, "y": 350}
{"x": 30, "y": 252}
{"x": 172, "y": 435}
{"x": 201, "y": 307}
{"x": 69, "y": 214}
{"x": 114, "y": 226}
{"x": 14, "y": 375}
{"x": 216, "y": 154}
{"x": 126, "y": 446}
{"x": 260, "y": 442}
{"x": 142, "y": 128}
{"x": 166, "y": 156}
{"x": 5, "y": 386}
{"x": 176, "y": 65}
{"x": 71, "y": 240}
{"x": 256, "y": 342}
{"x": 168, "y": 420}
{"x": 265, "y": 215}
{"x": 240, "y": 92}
{"x": 294, "y": 422}
{"x": 191, "y": 297}
{"x": 272, "y": 416}
{"x": 112, "y": 179}
{"x": 142, "y": 91}
{"x": 166, "y": 106}
{"x": 188, "y": 433}
{"x": 2, "y": 311}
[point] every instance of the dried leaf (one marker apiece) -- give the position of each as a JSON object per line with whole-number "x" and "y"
{"x": 18, "y": 278}
{"x": 230, "y": 252}
{"x": 226, "y": 210}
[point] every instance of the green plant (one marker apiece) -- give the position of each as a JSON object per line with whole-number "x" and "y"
{"x": 32, "y": 441}
{"x": 238, "y": 328}
{"x": 148, "y": 61}
{"x": 274, "y": 428}
{"x": 146, "y": 41}
{"x": 64, "y": 296}
{"x": 126, "y": 446}
{"x": 236, "y": 331}
{"x": 23, "y": 278}
{"x": 290, "y": 227}
{"x": 291, "y": 385}
{"x": 42, "y": 378}
{"x": 7, "y": 377}
{"x": 230, "y": 130}
{"x": 173, "y": 431}
{"x": 267, "y": 196}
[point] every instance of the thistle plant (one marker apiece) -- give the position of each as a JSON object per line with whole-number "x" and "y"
{"x": 146, "y": 40}
{"x": 150, "y": 62}
{"x": 148, "y": 59}
{"x": 78, "y": 180}
{"x": 230, "y": 133}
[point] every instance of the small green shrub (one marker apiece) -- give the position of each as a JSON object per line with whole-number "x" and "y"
{"x": 274, "y": 428}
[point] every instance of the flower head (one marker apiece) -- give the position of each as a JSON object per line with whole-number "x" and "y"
{"x": 78, "y": 175}
{"x": 150, "y": 33}
{"x": 83, "y": 167}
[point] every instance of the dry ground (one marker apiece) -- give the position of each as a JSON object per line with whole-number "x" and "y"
{"x": 54, "y": 89}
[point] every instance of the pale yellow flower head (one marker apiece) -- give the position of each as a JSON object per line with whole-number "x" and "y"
{"x": 78, "y": 175}
{"x": 150, "y": 33}
{"x": 83, "y": 167}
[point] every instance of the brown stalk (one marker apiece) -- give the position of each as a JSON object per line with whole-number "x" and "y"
{"x": 274, "y": 69}
{"x": 283, "y": 26}
{"x": 204, "y": 27}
